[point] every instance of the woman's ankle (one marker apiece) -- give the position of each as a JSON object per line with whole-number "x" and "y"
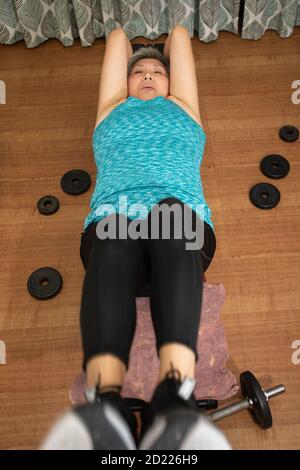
{"x": 105, "y": 371}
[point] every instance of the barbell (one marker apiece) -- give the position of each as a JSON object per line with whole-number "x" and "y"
{"x": 256, "y": 399}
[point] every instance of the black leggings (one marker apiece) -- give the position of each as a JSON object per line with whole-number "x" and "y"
{"x": 117, "y": 268}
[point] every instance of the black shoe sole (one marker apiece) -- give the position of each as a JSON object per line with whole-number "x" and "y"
{"x": 183, "y": 430}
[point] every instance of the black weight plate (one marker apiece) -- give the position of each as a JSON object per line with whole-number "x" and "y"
{"x": 159, "y": 46}
{"x": 75, "y": 182}
{"x": 137, "y": 46}
{"x": 289, "y": 133}
{"x": 44, "y": 283}
{"x": 48, "y": 205}
{"x": 252, "y": 389}
{"x": 264, "y": 195}
{"x": 275, "y": 166}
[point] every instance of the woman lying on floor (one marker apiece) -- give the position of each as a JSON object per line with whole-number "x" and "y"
{"x": 148, "y": 146}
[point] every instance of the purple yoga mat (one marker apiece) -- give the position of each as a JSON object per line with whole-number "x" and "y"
{"x": 213, "y": 379}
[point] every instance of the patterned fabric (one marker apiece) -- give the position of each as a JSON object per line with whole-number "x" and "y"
{"x": 145, "y": 151}
{"x": 35, "y": 21}
{"x": 279, "y": 15}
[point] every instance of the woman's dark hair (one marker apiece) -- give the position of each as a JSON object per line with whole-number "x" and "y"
{"x": 148, "y": 53}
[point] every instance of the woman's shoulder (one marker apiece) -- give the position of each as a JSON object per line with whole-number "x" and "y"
{"x": 108, "y": 110}
{"x": 185, "y": 108}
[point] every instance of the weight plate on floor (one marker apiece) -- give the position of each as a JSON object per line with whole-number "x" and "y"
{"x": 44, "y": 283}
{"x": 159, "y": 46}
{"x": 264, "y": 195}
{"x": 48, "y": 205}
{"x": 75, "y": 182}
{"x": 289, "y": 133}
{"x": 275, "y": 166}
{"x": 260, "y": 409}
{"x": 137, "y": 46}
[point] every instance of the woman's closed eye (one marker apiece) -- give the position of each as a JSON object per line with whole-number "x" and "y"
{"x": 139, "y": 71}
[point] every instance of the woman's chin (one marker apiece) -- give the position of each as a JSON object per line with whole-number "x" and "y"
{"x": 148, "y": 94}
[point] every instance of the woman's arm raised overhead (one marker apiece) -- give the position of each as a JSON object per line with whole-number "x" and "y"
{"x": 183, "y": 78}
{"x": 113, "y": 80}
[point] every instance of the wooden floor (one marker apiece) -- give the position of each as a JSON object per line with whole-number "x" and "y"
{"x": 245, "y": 91}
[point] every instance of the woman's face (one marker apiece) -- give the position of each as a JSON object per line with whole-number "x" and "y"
{"x": 148, "y": 73}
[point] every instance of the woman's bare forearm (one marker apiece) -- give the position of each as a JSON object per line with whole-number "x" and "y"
{"x": 128, "y": 43}
{"x": 167, "y": 46}
{"x": 129, "y": 49}
{"x": 129, "y": 46}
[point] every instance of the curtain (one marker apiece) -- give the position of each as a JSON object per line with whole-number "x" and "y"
{"x": 35, "y": 21}
{"x": 261, "y": 15}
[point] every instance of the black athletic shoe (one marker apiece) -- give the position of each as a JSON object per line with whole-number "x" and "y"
{"x": 116, "y": 401}
{"x": 172, "y": 420}
{"x": 105, "y": 424}
{"x": 168, "y": 396}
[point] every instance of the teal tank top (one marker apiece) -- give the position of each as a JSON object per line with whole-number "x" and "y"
{"x": 147, "y": 150}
